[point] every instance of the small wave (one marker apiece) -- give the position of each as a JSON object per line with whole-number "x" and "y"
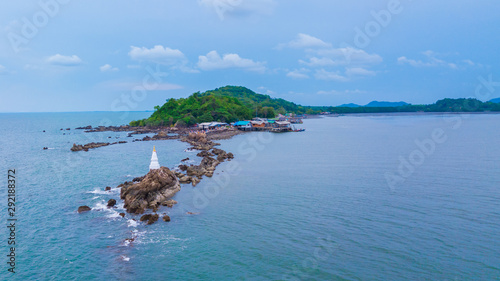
{"x": 132, "y": 223}
{"x": 190, "y": 150}
{"x": 103, "y": 207}
{"x": 124, "y": 258}
{"x": 98, "y": 191}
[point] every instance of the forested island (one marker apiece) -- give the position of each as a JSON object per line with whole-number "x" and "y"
{"x": 233, "y": 103}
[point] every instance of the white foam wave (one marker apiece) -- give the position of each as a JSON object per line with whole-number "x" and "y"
{"x": 132, "y": 223}
{"x": 98, "y": 191}
{"x": 124, "y": 258}
{"x": 103, "y": 207}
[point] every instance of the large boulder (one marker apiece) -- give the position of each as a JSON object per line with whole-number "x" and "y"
{"x": 82, "y": 209}
{"x": 111, "y": 202}
{"x": 156, "y": 188}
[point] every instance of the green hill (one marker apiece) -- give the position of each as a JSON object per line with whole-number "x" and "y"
{"x": 226, "y": 104}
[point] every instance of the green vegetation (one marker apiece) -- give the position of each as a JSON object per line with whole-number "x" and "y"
{"x": 231, "y": 103}
{"x": 196, "y": 108}
{"x": 226, "y": 104}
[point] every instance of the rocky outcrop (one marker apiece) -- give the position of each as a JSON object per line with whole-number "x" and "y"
{"x": 157, "y": 187}
{"x": 169, "y": 203}
{"x": 150, "y": 218}
{"x": 82, "y": 209}
{"x": 84, "y": 128}
{"x": 222, "y": 155}
{"x": 204, "y": 153}
{"x": 111, "y": 202}
{"x": 86, "y": 147}
{"x": 206, "y": 168}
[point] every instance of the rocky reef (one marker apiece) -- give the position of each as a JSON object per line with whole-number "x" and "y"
{"x": 149, "y": 192}
{"x": 86, "y": 147}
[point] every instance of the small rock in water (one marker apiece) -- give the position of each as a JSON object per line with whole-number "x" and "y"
{"x": 122, "y": 214}
{"x": 145, "y": 217}
{"x": 150, "y": 218}
{"x": 108, "y": 188}
{"x": 82, "y": 209}
{"x": 111, "y": 202}
{"x": 166, "y": 218}
{"x": 45, "y": 148}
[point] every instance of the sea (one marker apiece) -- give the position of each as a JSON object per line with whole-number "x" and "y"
{"x": 354, "y": 197}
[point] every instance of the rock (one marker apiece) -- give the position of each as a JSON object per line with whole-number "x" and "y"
{"x": 122, "y": 214}
{"x": 166, "y": 218}
{"x": 145, "y": 217}
{"x": 195, "y": 181}
{"x": 150, "y": 218}
{"x": 84, "y": 128}
{"x": 108, "y": 188}
{"x": 45, "y": 148}
{"x": 185, "y": 179}
{"x": 183, "y": 167}
{"x": 86, "y": 147}
{"x": 185, "y": 159}
{"x": 67, "y": 129}
{"x": 111, "y": 202}
{"x": 191, "y": 213}
{"x": 155, "y": 188}
{"x": 82, "y": 209}
{"x": 170, "y": 203}
{"x": 138, "y": 179}
{"x": 204, "y": 153}
{"x": 122, "y": 142}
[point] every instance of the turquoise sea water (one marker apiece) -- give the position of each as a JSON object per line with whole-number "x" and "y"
{"x": 314, "y": 205}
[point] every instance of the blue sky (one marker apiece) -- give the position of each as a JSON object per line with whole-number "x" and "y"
{"x": 67, "y": 55}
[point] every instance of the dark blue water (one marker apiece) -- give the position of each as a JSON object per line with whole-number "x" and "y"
{"x": 315, "y": 205}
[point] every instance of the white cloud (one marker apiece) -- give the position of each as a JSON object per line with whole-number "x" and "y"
{"x": 359, "y": 71}
{"x": 298, "y": 74}
{"x": 322, "y": 74}
{"x": 157, "y": 54}
{"x": 430, "y": 60}
{"x": 213, "y": 61}
{"x": 107, "y": 67}
{"x": 341, "y": 56}
{"x": 61, "y": 60}
{"x": 305, "y": 41}
{"x": 240, "y": 8}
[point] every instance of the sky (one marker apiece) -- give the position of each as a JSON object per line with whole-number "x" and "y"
{"x": 68, "y": 55}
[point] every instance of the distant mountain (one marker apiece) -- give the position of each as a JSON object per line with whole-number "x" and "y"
{"x": 497, "y": 100}
{"x": 349, "y": 105}
{"x": 386, "y": 104}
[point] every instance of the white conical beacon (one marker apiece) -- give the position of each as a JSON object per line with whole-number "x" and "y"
{"x": 154, "y": 161}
